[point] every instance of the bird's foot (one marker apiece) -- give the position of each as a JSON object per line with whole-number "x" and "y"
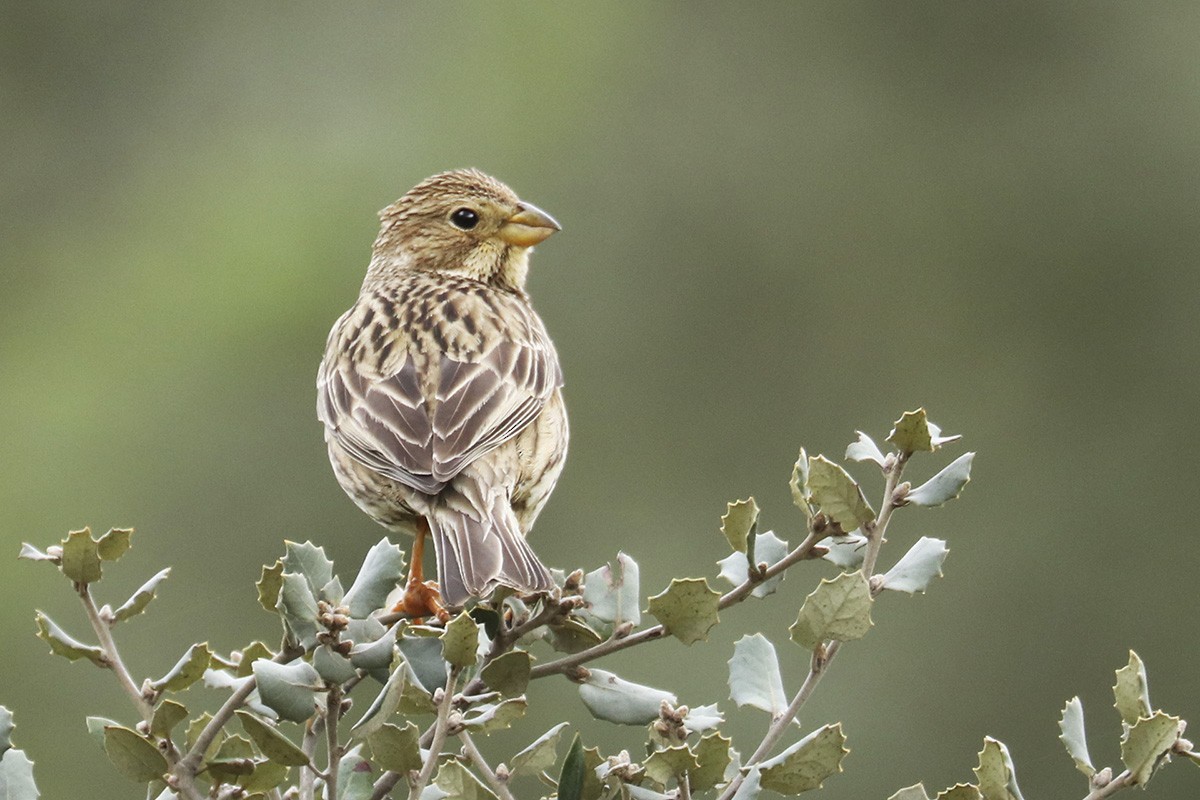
{"x": 421, "y": 599}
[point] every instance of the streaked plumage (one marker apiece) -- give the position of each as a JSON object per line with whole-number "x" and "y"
{"x": 440, "y": 388}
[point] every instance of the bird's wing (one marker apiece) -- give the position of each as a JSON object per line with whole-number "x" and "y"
{"x": 422, "y": 431}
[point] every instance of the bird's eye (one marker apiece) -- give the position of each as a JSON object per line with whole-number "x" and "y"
{"x": 464, "y": 218}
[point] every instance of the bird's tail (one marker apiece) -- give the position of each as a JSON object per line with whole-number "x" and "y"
{"x": 476, "y": 552}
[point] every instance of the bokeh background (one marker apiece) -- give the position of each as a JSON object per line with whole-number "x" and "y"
{"x": 782, "y": 222}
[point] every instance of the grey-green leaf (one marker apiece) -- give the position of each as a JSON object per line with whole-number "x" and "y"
{"x": 836, "y": 609}
{"x": 137, "y": 603}
{"x": 944, "y": 486}
{"x": 837, "y": 494}
{"x": 611, "y": 594}
{"x": 768, "y": 549}
{"x": 508, "y": 674}
{"x": 540, "y": 755}
{"x": 273, "y": 744}
{"x": 687, "y": 609}
{"x": 489, "y": 717}
{"x": 846, "y": 551}
{"x": 806, "y": 764}
{"x": 81, "y": 558}
{"x": 31, "y": 553}
{"x": 739, "y": 524}
{"x": 114, "y": 544}
{"x": 288, "y": 689}
{"x": 332, "y": 666}
{"x": 754, "y": 678}
{"x": 395, "y": 748}
{"x": 614, "y": 699}
{"x": 574, "y": 769}
{"x": 864, "y": 449}
{"x": 133, "y": 756}
{"x": 1132, "y": 692}
{"x": 914, "y": 792}
{"x": 995, "y": 774}
{"x": 381, "y": 570}
{"x": 1148, "y": 743}
{"x": 460, "y": 642}
{"x": 6, "y": 729}
{"x": 310, "y": 561}
{"x": 298, "y": 606}
{"x": 918, "y": 567}
{"x": 167, "y": 715}
{"x": 62, "y": 644}
{"x": 1073, "y": 736}
{"x": 189, "y": 669}
{"x": 16, "y": 777}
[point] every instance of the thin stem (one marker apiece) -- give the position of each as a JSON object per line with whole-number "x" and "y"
{"x": 498, "y": 786}
{"x": 439, "y": 736}
{"x": 112, "y": 655}
{"x": 1118, "y": 783}
{"x": 333, "y": 710}
{"x": 875, "y": 530}
{"x": 308, "y": 776}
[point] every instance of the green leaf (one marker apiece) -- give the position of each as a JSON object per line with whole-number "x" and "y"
{"x": 920, "y": 565}
{"x": 612, "y": 594}
{"x": 571, "y": 779}
{"x": 386, "y": 702}
{"x": 1073, "y": 737}
{"x": 460, "y": 642}
{"x": 16, "y": 777}
{"x": 167, "y": 715}
{"x": 460, "y": 784}
{"x": 740, "y": 523}
{"x": 395, "y": 748}
{"x": 31, "y": 553}
{"x": 799, "y": 484}
{"x": 751, "y": 786}
{"x": 249, "y": 654}
{"x": 194, "y": 729}
{"x": 664, "y": 766}
{"x": 62, "y": 644}
{"x": 133, "y": 756}
{"x": 332, "y": 666}
{"x": 137, "y": 603}
{"x": 273, "y": 744}
{"x": 114, "y": 544}
{"x": 298, "y": 607}
{"x": 914, "y": 792}
{"x": 961, "y": 791}
{"x": 768, "y": 549}
{"x": 425, "y": 658}
{"x": 381, "y": 571}
{"x": 837, "y": 609}
{"x": 713, "y": 756}
{"x": 310, "y": 561}
{"x": 913, "y": 432}
{"x": 269, "y": 586}
{"x": 508, "y": 674}
{"x": 489, "y": 717}
{"x": 1148, "y": 743}
{"x": 945, "y": 486}
{"x": 836, "y": 493}
{"x": 614, "y": 699}
{"x": 288, "y": 689}
{"x": 571, "y": 635}
{"x": 189, "y": 669}
{"x": 754, "y": 678}
{"x": 806, "y": 764}
{"x": 376, "y": 655}
{"x": 995, "y": 773}
{"x": 687, "y": 609}
{"x": 80, "y": 558}
{"x": 233, "y": 760}
{"x": 96, "y": 726}
{"x": 1131, "y": 691}
{"x": 540, "y": 755}
{"x": 355, "y": 781}
{"x": 6, "y": 729}
{"x": 265, "y": 777}
{"x": 845, "y": 551}
{"x": 864, "y": 449}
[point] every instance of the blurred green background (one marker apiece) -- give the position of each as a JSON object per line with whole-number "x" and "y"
{"x": 782, "y": 222}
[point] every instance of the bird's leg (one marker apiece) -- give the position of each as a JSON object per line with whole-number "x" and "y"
{"x": 421, "y": 598}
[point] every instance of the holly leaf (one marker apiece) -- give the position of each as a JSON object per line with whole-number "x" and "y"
{"x": 687, "y": 609}
{"x": 960, "y": 791}
{"x": 996, "y": 776}
{"x": 114, "y": 544}
{"x": 1131, "y": 691}
{"x": 6, "y": 729}
{"x": 460, "y": 642}
{"x": 133, "y": 756}
{"x": 16, "y": 777}
{"x": 945, "y": 486}
{"x": 62, "y": 644}
{"x": 614, "y": 699}
{"x": 381, "y": 571}
{"x": 670, "y": 764}
{"x": 740, "y": 523}
{"x": 1148, "y": 744}
{"x": 508, "y": 674}
{"x": 914, "y": 792}
{"x": 806, "y": 764}
{"x": 920, "y": 565}
{"x": 913, "y": 432}
{"x": 846, "y": 551}
{"x": 269, "y": 585}
{"x": 395, "y": 748}
{"x": 310, "y": 561}
{"x": 837, "y": 494}
{"x": 137, "y": 603}
{"x": 80, "y": 557}
{"x": 288, "y": 689}
{"x": 490, "y": 717}
{"x": 799, "y": 484}
{"x": 713, "y": 756}
{"x": 273, "y": 744}
{"x": 768, "y": 549}
{"x": 167, "y": 715}
{"x": 189, "y": 669}
{"x": 754, "y": 678}
{"x": 540, "y": 755}
{"x": 836, "y": 609}
{"x": 459, "y": 783}
{"x": 864, "y": 449}
{"x": 611, "y": 593}
{"x": 1073, "y": 737}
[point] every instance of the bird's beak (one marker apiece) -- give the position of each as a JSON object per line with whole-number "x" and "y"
{"x": 528, "y": 226}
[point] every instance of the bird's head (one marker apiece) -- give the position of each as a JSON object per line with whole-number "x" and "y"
{"x": 462, "y": 222}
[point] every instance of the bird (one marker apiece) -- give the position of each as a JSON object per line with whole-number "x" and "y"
{"x": 440, "y": 389}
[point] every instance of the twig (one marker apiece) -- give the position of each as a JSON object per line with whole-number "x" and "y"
{"x": 1118, "y": 783}
{"x": 875, "y": 530}
{"x": 111, "y": 655}
{"x": 439, "y": 736}
{"x": 308, "y": 745}
{"x": 333, "y": 710}
{"x": 498, "y": 786}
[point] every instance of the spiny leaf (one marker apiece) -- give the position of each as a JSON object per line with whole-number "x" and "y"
{"x": 395, "y": 748}
{"x": 114, "y": 544}
{"x": 62, "y": 644}
{"x": 381, "y": 570}
{"x": 845, "y": 551}
{"x": 1148, "y": 743}
{"x": 687, "y": 609}
{"x": 614, "y": 699}
{"x": 31, "y": 553}
{"x": 460, "y": 642}
{"x": 751, "y": 785}
{"x": 459, "y": 783}
{"x": 836, "y": 609}
{"x": 332, "y": 666}
{"x": 712, "y": 753}
{"x": 799, "y": 483}
{"x": 611, "y": 593}
{"x": 864, "y": 449}
{"x": 273, "y": 744}
{"x": 1131, "y": 691}
{"x": 189, "y": 669}
{"x": 754, "y": 678}
{"x": 739, "y": 523}
{"x": 137, "y": 603}
{"x": 16, "y": 777}
{"x": 288, "y": 689}
{"x": 918, "y": 567}
{"x": 489, "y": 717}
{"x": 945, "y": 486}
{"x": 806, "y": 764}
{"x": 1073, "y": 736}
{"x": 914, "y": 792}
{"x": 81, "y": 558}
{"x": 768, "y": 549}
{"x": 508, "y": 674}
{"x": 133, "y": 756}
{"x": 837, "y": 494}
{"x": 355, "y": 781}
{"x": 664, "y": 766}
{"x": 167, "y": 715}
{"x": 913, "y": 432}
{"x": 540, "y": 755}
{"x": 995, "y": 773}
{"x": 310, "y": 561}
{"x": 298, "y": 607}
{"x": 249, "y": 654}
{"x": 6, "y": 729}
{"x": 960, "y": 791}
{"x": 386, "y": 702}
{"x": 269, "y": 585}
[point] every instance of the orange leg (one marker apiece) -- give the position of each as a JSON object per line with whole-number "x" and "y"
{"x": 421, "y": 598}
